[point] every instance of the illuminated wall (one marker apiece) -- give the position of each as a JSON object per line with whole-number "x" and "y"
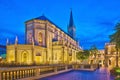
{"x": 45, "y": 43}
{"x": 110, "y": 55}
{"x": 26, "y": 54}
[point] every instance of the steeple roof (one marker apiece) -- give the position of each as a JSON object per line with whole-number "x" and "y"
{"x": 71, "y": 26}
{"x": 71, "y": 22}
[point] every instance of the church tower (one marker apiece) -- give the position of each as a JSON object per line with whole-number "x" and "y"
{"x": 71, "y": 27}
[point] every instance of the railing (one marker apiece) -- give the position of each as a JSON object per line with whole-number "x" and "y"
{"x": 59, "y": 68}
{"x": 17, "y": 74}
{"x": 14, "y": 73}
{"x": 69, "y": 66}
{"x": 86, "y": 66}
{"x": 46, "y": 70}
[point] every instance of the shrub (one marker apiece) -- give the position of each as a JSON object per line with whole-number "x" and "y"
{"x": 115, "y": 72}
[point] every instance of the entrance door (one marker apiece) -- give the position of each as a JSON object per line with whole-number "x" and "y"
{"x": 25, "y": 57}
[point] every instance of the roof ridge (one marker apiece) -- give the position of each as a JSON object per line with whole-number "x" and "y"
{"x": 43, "y": 17}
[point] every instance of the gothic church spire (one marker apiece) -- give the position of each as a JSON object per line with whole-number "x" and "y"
{"x": 71, "y": 27}
{"x": 71, "y": 22}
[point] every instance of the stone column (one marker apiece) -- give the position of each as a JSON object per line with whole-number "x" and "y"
{"x": 66, "y": 67}
{"x": 37, "y": 73}
{"x": 73, "y": 66}
{"x": 91, "y": 66}
{"x": 55, "y": 69}
{"x": 82, "y": 66}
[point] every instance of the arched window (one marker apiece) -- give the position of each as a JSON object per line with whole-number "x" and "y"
{"x": 91, "y": 62}
{"x": 40, "y": 38}
{"x": 38, "y": 54}
{"x": 25, "y": 57}
{"x": 56, "y": 35}
{"x": 109, "y": 62}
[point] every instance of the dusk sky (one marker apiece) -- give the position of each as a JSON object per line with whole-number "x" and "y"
{"x": 94, "y": 19}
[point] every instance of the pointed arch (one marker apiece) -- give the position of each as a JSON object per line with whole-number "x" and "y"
{"x": 40, "y": 38}
{"x": 24, "y": 57}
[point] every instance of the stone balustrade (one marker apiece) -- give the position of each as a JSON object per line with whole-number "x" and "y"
{"x": 35, "y": 72}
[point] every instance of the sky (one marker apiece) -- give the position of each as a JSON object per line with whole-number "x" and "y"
{"x": 94, "y": 19}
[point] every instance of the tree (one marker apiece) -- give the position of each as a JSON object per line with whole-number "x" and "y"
{"x": 93, "y": 50}
{"x": 115, "y": 37}
{"x": 82, "y": 55}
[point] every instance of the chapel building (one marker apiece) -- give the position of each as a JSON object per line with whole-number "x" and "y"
{"x": 46, "y": 43}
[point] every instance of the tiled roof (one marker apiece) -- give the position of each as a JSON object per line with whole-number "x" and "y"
{"x": 45, "y": 18}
